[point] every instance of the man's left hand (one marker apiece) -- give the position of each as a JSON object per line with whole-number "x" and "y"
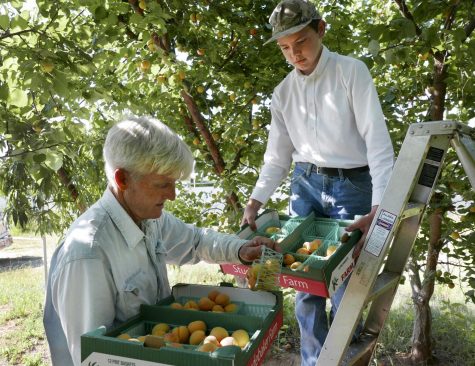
{"x": 253, "y": 248}
{"x": 363, "y": 224}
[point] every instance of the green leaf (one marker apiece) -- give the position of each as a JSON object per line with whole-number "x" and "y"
{"x": 18, "y": 97}
{"x": 374, "y": 47}
{"x": 54, "y": 161}
{"x": 4, "y": 21}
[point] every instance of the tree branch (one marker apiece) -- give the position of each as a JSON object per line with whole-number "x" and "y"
{"x": 407, "y": 14}
{"x": 7, "y": 33}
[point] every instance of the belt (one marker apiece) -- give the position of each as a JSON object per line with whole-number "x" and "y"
{"x": 334, "y": 172}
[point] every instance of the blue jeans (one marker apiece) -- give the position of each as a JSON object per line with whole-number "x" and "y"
{"x": 336, "y": 197}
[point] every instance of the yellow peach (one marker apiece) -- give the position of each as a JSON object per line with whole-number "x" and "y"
{"x": 219, "y": 333}
{"x": 241, "y": 336}
{"x": 222, "y": 299}
{"x": 197, "y": 325}
{"x": 197, "y": 337}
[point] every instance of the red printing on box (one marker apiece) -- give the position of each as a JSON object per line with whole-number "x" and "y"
{"x": 298, "y": 283}
{"x": 258, "y": 356}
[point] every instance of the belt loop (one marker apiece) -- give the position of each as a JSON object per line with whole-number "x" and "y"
{"x": 308, "y": 170}
{"x": 341, "y": 174}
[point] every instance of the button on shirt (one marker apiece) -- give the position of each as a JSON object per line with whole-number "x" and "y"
{"x": 107, "y": 266}
{"x": 331, "y": 118}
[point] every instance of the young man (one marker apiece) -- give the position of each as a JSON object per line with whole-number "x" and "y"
{"x": 114, "y": 256}
{"x": 327, "y": 119}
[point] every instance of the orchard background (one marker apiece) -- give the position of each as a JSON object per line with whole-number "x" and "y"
{"x": 70, "y": 69}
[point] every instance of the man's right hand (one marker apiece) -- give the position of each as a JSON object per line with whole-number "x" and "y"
{"x": 250, "y": 214}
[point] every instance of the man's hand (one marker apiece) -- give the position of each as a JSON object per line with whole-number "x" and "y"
{"x": 363, "y": 224}
{"x": 253, "y": 248}
{"x": 250, "y": 213}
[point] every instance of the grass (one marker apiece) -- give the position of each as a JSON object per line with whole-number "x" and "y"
{"x": 22, "y": 339}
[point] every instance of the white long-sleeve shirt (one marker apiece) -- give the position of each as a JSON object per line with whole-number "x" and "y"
{"x": 107, "y": 266}
{"x": 331, "y": 118}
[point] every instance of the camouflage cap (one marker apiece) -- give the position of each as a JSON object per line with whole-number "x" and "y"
{"x": 291, "y": 16}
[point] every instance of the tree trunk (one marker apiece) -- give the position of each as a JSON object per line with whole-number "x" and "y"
{"x": 422, "y": 292}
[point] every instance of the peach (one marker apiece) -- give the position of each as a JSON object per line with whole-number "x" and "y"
{"x": 241, "y": 336}
{"x": 219, "y": 333}
{"x": 160, "y": 328}
{"x": 176, "y": 305}
{"x": 197, "y": 337}
{"x": 222, "y": 299}
{"x": 294, "y": 266}
{"x": 124, "y": 336}
{"x": 331, "y": 249}
{"x": 211, "y": 339}
{"x": 218, "y": 309}
{"x": 228, "y": 341}
{"x": 197, "y": 325}
{"x": 207, "y": 347}
{"x": 212, "y": 295}
{"x": 205, "y": 304}
{"x": 231, "y": 308}
{"x": 182, "y": 333}
{"x": 303, "y": 250}
{"x": 153, "y": 341}
{"x": 288, "y": 259}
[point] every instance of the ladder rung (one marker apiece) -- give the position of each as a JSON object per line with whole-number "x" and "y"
{"x": 412, "y": 209}
{"x": 385, "y": 281}
{"x": 360, "y": 351}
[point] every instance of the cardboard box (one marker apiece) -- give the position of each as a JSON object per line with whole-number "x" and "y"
{"x": 319, "y": 275}
{"x": 260, "y": 314}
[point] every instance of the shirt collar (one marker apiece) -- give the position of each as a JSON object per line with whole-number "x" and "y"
{"x": 322, "y": 62}
{"x": 124, "y": 223}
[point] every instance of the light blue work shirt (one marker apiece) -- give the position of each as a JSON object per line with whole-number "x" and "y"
{"x": 107, "y": 266}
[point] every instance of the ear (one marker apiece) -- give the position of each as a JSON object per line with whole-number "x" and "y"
{"x": 321, "y": 28}
{"x": 121, "y": 178}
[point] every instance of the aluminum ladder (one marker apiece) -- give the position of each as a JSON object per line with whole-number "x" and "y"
{"x": 386, "y": 249}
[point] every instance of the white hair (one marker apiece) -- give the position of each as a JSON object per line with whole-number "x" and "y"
{"x": 143, "y": 145}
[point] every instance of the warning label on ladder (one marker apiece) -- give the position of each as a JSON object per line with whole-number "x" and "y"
{"x": 380, "y": 233}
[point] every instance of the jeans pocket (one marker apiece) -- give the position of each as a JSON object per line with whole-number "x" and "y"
{"x": 360, "y": 184}
{"x": 297, "y": 175}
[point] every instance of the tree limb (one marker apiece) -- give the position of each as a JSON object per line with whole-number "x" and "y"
{"x": 403, "y": 9}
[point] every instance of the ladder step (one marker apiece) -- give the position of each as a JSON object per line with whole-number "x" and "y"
{"x": 412, "y": 209}
{"x": 358, "y": 353}
{"x": 384, "y": 282}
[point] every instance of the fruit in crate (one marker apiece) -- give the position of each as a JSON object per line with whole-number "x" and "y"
{"x": 205, "y": 304}
{"x": 294, "y": 266}
{"x": 288, "y": 259}
{"x": 222, "y": 299}
{"x": 212, "y": 295}
{"x": 182, "y": 333}
{"x": 219, "y": 333}
{"x": 271, "y": 230}
{"x": 241, "y": 336}
{"x": 154, "y": 341}
{"x": 160, "y": 329}
{"x": 125, "y": 336}
{"x": 303, "y": 251}
{"x": 197, "y": 337}
{"x": 313, "y": 245}
{"x": 228, "y": 341}
{"x": 331, "y": 249}
{"x": 207, "y": 347}
{"x": 197, "y": 325}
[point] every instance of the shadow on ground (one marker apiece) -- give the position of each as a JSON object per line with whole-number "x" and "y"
{"x": 7, "y": 264}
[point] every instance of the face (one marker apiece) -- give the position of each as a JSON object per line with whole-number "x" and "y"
{"x": 303, "y": 49}
{"x": 144, "y": 198}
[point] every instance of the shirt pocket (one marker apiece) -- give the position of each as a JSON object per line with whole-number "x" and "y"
{"x": 136, "y": 290}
